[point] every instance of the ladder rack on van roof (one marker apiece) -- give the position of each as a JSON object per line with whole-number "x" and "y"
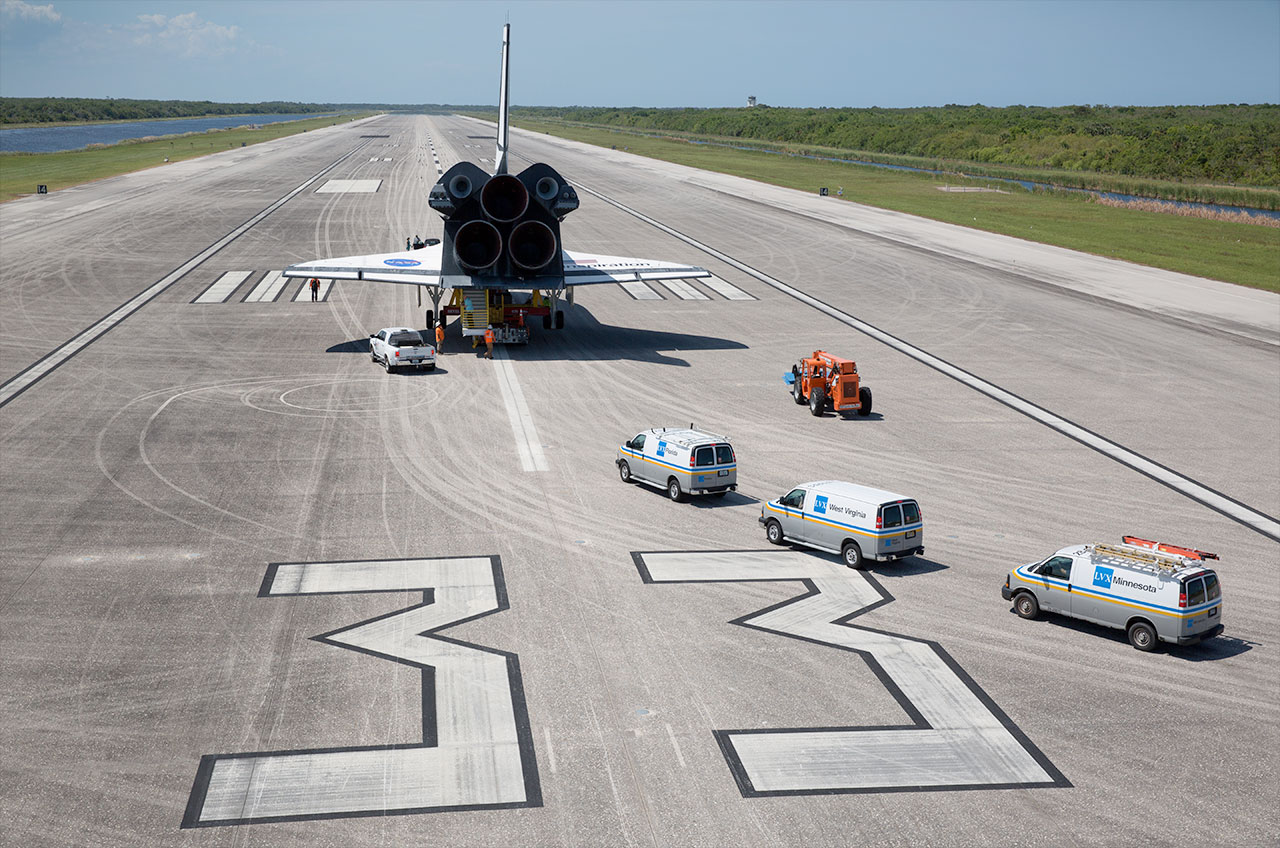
{"x": 675, "y": 434}
{"x": 1153, "y": 554}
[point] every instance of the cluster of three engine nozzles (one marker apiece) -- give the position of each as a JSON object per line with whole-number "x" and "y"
{"x": 503, "y": 224}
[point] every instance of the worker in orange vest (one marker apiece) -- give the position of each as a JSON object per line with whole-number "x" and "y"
{"x": 440, "y": 337}
{"x": 488, "y": 342}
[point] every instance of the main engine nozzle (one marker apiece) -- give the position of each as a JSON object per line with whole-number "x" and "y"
{"x": 532, "y": 245}
{"x": 477, "y": 245}
{"x": 504, "y": 198}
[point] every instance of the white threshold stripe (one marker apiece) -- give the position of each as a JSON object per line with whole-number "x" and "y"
{"x": 527, "y": 443}
{"x": 725, "y": 289}
{"x": 304, "y": 293}
{"x": 40, "y": 368}
{"x": 683, "y": 290}
{"x": 223, "y": 287}
{"x": 268, "y": 289}
{"x": 640, "y": 291}
{"x": 1263, "y": 523}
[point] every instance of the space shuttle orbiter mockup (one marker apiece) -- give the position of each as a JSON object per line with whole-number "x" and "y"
{"x": 501, "y": 241}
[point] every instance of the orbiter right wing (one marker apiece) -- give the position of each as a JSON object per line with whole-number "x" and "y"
{"x": 582, "y": 269}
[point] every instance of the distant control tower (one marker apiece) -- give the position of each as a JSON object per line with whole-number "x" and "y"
{"x": 751, "y": 100}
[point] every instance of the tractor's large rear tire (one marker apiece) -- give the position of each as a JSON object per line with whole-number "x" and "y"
{"x": 817, "y": 400}
{"x": 797, "y": 386}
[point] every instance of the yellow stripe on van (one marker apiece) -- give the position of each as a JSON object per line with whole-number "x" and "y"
{"x": 1076, "y": 590}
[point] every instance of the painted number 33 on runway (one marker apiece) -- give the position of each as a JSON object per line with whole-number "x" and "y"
{"x": 477, "y": 751}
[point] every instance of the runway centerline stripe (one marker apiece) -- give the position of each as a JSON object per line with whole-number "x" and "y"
{"x": 1231, "y": 508}
{"x": 38, "y": 370}
{"x": 526, "y": 435}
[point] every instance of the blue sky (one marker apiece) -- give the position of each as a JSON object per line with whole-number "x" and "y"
{"x": 669, "y": 53}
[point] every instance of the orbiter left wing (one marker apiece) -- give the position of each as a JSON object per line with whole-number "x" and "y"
{"x": 581, "y": 269}
{"x": 411, "y": 267}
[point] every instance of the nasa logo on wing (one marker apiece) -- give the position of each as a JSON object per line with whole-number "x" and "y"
{"x": 401, "y": 263}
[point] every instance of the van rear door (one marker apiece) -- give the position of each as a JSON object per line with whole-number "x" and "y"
{"x": 900, "y": 522}
{"x": 1203, "y": 596}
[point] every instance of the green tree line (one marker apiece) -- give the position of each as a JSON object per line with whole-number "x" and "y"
{"x": 1236, "y": 143}
{"x": 77, "y": 110}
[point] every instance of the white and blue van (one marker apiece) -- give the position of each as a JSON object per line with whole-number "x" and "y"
{"x": 857, "y": 522}
{"x": 1153, "y": 592}
{"x": 683, "y": 462}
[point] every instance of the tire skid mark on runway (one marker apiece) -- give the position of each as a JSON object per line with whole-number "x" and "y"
{"x": 42, "y": 367}
{"x": 1215, "y": 500}
{"x": 115, "y": 481}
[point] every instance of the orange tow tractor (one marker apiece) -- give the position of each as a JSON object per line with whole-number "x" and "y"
{"x": 829, "y": 382}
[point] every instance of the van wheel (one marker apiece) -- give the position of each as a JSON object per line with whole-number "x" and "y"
{"x": 1026, "y": 605}
{"x": 864, "y": 402}
{"x": 773, "y": 532}
{"x": 673, "y": 490}
{"x": 817, "y": 400}
{"x": 624, "y": 471}
{"x": 1143, "y": 636}
{"x": 852, "y": 555}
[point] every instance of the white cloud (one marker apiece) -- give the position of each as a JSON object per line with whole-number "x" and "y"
{"x": 27, "y": 12}
{"x": 186, "y": 35}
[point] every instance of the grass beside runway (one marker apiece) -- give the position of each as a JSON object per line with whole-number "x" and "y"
{"x": 1246, "y": 254}
{"x": 20, "y": 173}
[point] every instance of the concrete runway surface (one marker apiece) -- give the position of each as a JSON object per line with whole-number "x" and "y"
{"x": 255, "y": 591}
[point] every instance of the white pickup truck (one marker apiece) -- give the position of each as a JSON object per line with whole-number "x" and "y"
{"x": 397, "y": 346}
